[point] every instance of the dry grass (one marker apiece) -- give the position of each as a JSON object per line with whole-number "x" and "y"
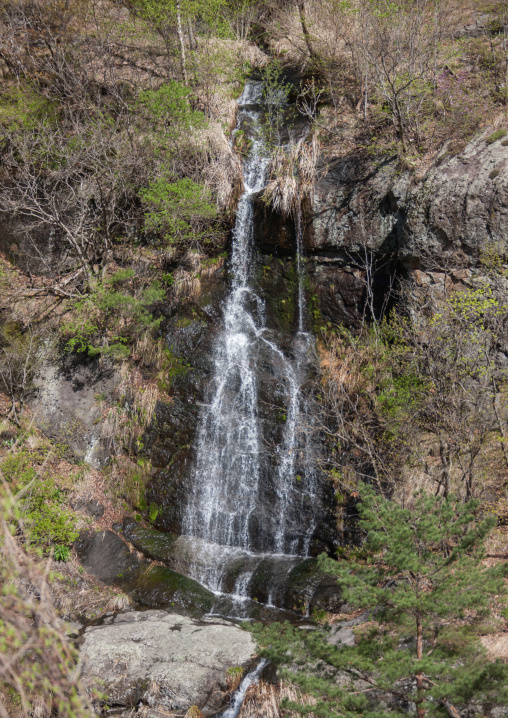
{"x": 292, "y": 176}
{"x": 78, "y": 595}
{"x": 194, "y": 712}
{"x": 223, "y": 172}
{"x": 263, "y": 701}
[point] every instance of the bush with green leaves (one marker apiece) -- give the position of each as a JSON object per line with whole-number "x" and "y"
{"x": 275, "y": 94}
{"x": 169, "y": 111}
{"x": 179, "y": 210}
{"x": 113, "y": 315}
{"x": 421, "y": 577}
{"x": 47, "y": 523}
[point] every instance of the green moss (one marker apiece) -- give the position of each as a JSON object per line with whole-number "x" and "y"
{"x": 160, "y": 586}
{"x": 153, "y": 544}
{"x": 22, "y": 108}
{"x": 497, "y": 135}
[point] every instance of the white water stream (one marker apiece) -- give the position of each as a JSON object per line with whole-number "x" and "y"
{"x": 224, "y": 522}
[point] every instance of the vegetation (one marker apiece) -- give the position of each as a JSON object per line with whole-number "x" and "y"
{"x": 117, "y": 184}
{"x": 111, "y": 306}
{"x": 421, "y": 576}
{"x": 419, "y": 396}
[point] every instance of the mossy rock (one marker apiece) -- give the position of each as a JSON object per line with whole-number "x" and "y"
{"x": 159, "y": 586}
{"x": 153, "y": 544}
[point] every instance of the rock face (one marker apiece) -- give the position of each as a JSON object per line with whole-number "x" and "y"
{"x": 163, "y": 661}
{"x": 375, "y": 213}
{"x": 107, "y": 557}
{"x": 67, "y": 409}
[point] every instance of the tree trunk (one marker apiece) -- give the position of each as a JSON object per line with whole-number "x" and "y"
{"x": 192, "y": 40}
{"x": 305, "y": 29}
{"x": 420, "y": 709}
{"x": 181, "y": 41}
{"x": 451, "y": 710}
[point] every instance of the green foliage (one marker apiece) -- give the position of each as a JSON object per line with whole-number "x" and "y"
{"x": 276, "y": 94}
{"x": 497, "y": 135}
{"x": 153, "y": 512}
{"x": 179, "y": 210}
{"x": 22, "y": 108}
{"x": 108, "y": 319}
{"x": 18, "y": 467}
{"x": 168, "y": 110}
{"x": 162, "y": 13}
{"x": 422, "y": 577}
{"x": 45, "y": 520}
{"x": 61, "y": 553}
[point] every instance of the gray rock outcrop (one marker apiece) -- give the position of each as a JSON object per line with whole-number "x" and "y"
{"x": 163, "y": 661}
{"x": 377, "y": 212}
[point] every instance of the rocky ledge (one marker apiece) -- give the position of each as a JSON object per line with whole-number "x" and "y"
{"x": 154, "y": 662}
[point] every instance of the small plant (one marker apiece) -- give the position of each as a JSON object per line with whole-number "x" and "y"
{"x": 116, "y": 302}
{"x": 46, "y": 522}
{"x": 61, "y": 553}
{"x": 153, "y": 512}
{"x": 497, "y": 135}
{"x": 194, "y": 712}
{"x": 495, "y": 173}
{"x": 234, "y": 677}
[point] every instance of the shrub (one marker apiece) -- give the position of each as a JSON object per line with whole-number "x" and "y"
{"x": 178, "y": 209}
{"x": 112, "y": 316}
{"x": 61, "y": 553}
{"x": 497, "y": 135}
{"x": 45, "y": 520}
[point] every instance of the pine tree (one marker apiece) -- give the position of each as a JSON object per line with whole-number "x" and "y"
{"x": 420, "y": 574}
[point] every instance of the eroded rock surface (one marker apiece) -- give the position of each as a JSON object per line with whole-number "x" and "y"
{"x": 162, "y": 660}
{"x": 67, "y": 408}
{"x": 377, "y": 213}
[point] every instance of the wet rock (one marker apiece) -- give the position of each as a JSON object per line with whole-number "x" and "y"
{"x": 163, "y": 661}
{"x": 110, "y": 559}
{"x": 159, "y": 586}
{"x": 169, "y": 443}
{"x": 309, "y": 589}
{"x": 154, "y": 544}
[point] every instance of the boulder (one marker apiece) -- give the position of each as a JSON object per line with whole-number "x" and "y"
{"x": 110, "y": 559}
{"x": 105, "y": 555}
{"x": 163, "y": 661}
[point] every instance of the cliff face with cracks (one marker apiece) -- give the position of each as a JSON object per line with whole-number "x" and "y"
{"x": 374, "y": 216}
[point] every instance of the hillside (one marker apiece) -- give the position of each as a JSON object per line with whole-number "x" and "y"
{"x": 253, "y": 283}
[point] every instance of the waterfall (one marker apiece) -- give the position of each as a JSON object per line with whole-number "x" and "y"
{"x": 240, "y": 512}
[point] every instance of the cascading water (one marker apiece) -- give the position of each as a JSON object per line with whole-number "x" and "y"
{"x": 224, "y": 525}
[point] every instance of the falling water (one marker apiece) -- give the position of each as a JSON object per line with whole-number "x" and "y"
{"x": 229, "y": 483}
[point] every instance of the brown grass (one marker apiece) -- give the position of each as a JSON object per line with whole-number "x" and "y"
{"x": 263, "y": 701}
{"x": 292, "y": 176}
